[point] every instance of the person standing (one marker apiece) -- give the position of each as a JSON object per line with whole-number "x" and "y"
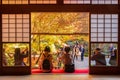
{"x": 113, "y": 58}
{"x": 111, "y": 47}
{"x": 4, "y": 61}
{"x": 76, "y": 52}
{"x": 82, "y": 50}
{"x": 19, "y": 56}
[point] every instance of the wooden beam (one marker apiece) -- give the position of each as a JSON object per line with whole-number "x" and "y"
{"x": 59, "y": 8}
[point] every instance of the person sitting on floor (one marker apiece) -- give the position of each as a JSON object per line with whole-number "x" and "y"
{"x": 68, "y": 60}
{"x": 46, "y": 60}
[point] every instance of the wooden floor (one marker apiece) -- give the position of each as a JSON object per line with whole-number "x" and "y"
{"x": 49, "y": 76}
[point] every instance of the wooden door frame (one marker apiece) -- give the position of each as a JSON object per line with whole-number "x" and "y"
{"x": 59, "y": 7}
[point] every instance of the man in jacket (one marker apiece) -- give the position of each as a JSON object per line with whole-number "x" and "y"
{"x": 99, "y": 57}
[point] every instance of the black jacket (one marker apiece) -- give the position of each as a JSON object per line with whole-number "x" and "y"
{"x": 99, "y": 59}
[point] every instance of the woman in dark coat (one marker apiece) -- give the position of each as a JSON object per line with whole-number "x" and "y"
{"x": 113, "y": 58}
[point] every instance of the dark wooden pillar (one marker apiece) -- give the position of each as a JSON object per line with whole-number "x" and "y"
{"x": 119, "y": 35}
{"x": 0, "y": 42}
{"x": 59, "y": 1}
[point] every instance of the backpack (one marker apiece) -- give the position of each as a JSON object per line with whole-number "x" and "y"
{"x": 46, "y": 63}
{"x": 70, "y": 68}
